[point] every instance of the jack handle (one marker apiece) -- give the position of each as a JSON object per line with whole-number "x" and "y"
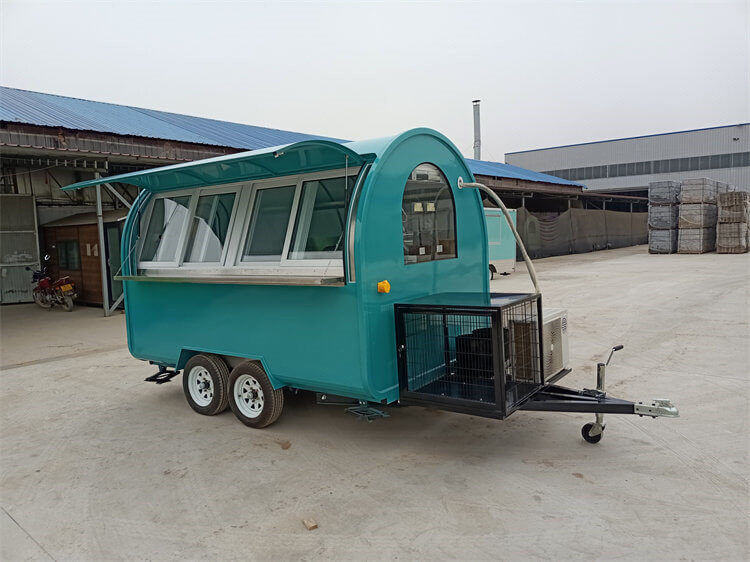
{"x": 611, "y": 353}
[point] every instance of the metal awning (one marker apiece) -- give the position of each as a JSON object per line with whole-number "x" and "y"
{"x": 305, "y": 156}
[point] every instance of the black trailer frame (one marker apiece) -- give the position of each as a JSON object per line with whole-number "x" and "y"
{"x": 425, "y": 331}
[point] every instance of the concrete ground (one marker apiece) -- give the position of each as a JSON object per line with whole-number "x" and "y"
{"x": 97, "y": 464}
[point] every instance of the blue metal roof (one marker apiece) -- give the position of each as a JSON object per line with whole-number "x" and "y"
{"x": 485, "y": 168}
{"x": 49, "y": 110}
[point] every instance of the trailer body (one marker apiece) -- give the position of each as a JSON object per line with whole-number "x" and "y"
{"x": 313, "y": 330}
{"x": 353, "y": 269}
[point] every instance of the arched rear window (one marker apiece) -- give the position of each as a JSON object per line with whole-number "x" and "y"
{"x": 428, "y": 216}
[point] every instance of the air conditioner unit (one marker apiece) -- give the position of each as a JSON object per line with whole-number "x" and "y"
{"x": 555, "y": 341}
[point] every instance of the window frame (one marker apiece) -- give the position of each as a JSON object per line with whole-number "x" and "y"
{"x": 66, "y": 244}
{"x": 404, "y": 263}
{"x": 242, "y": 236}
{"x": 146, "y": 219}
{"x": 285, "y": 262}
{"x": 203, "y": 191}
{"x": 242, "y": 211}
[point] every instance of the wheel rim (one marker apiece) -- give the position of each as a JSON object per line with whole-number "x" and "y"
{"x": 248, "y": 395}
{"x": 201, "y": 386}
{"x": 40, "y": 300}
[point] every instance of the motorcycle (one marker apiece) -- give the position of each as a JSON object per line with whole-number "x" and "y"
{"x": 48, "y": 293}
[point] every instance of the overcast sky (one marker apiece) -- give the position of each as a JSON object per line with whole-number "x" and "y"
{"x": 548, "y": 73}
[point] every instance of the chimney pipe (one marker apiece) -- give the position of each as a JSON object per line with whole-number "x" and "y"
{"x": 477, "y": 133}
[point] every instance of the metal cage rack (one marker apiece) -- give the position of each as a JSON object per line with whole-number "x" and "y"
{"x": 471, "y": 358}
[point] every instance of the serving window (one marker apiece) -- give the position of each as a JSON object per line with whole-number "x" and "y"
{"x": 269, "y": 222}
{"x": 293, "y": 225}
{"x": 209, "y": 228}
{"x": 321, "y": 215}
{"x": 163, "y": 227}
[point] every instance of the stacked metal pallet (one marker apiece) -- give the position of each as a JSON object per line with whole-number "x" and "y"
{"x": 732, "y": 235}
{"x": 697, "y": 215}
{"x": 663, "y": 198}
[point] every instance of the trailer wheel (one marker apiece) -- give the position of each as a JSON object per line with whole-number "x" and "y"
{"x": 590, "y": 438}
{"x": 252, "y": 397}
{"x": 206, "y": 384}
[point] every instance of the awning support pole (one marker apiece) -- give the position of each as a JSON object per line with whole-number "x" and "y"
{"x": 117, "y": 194}
{"x": 102, "y": 252}
{"x": 116, "y": 303}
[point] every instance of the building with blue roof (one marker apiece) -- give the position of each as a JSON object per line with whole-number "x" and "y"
{"x": 74, "y": 114}
{"x": 49, "y": 141}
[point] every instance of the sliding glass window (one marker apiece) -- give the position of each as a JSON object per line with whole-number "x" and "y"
{"x": 209, "y": 228}
{"x": 165, "y": 226}
{"x": 298, "y": 221}
{"x": 266, "y": 235}
{"x": 321, "y": 215}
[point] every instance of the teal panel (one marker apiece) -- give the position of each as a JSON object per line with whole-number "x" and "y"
{"x": 307, "y": 337}
{"x": 379, "y": 248}
{"x": 502, "y": 243}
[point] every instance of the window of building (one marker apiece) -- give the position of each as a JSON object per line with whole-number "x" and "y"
{"x": 209, "y": 228}
{"x": 321, "y": 215}
{"x": 68, "y": 255}
{"x": 428, "y": 216}
{"x": 688, "y": 164}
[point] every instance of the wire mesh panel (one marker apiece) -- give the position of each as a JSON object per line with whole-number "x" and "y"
{"x": 450, "y": 355}
{"x": 521, "y": 350}
{"x": 481, "y": 360}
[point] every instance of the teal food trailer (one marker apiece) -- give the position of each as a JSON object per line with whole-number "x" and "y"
{"x": 501, "y": 245}
{"x": 287, "y": 267}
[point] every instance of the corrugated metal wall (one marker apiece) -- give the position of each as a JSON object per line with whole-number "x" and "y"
{"x": 19, "y": 247}
{"x": 702, "y": 142}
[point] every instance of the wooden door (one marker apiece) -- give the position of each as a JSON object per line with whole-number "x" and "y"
{"x": 64, "y": 239}
{"x": 88, "y": 237}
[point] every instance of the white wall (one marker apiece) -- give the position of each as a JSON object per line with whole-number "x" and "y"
{"x": 720, "y": 140}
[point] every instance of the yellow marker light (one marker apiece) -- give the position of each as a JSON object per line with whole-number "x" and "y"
{"x": 384, "y": 287}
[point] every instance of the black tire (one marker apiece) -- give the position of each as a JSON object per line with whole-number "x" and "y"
{"x": 68, "y": 304}
{"x": 211, "y": 402}
{"x": 593, "y": 439}
{"x": 41, "y": 301}
{"x": 242, "y": 387}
